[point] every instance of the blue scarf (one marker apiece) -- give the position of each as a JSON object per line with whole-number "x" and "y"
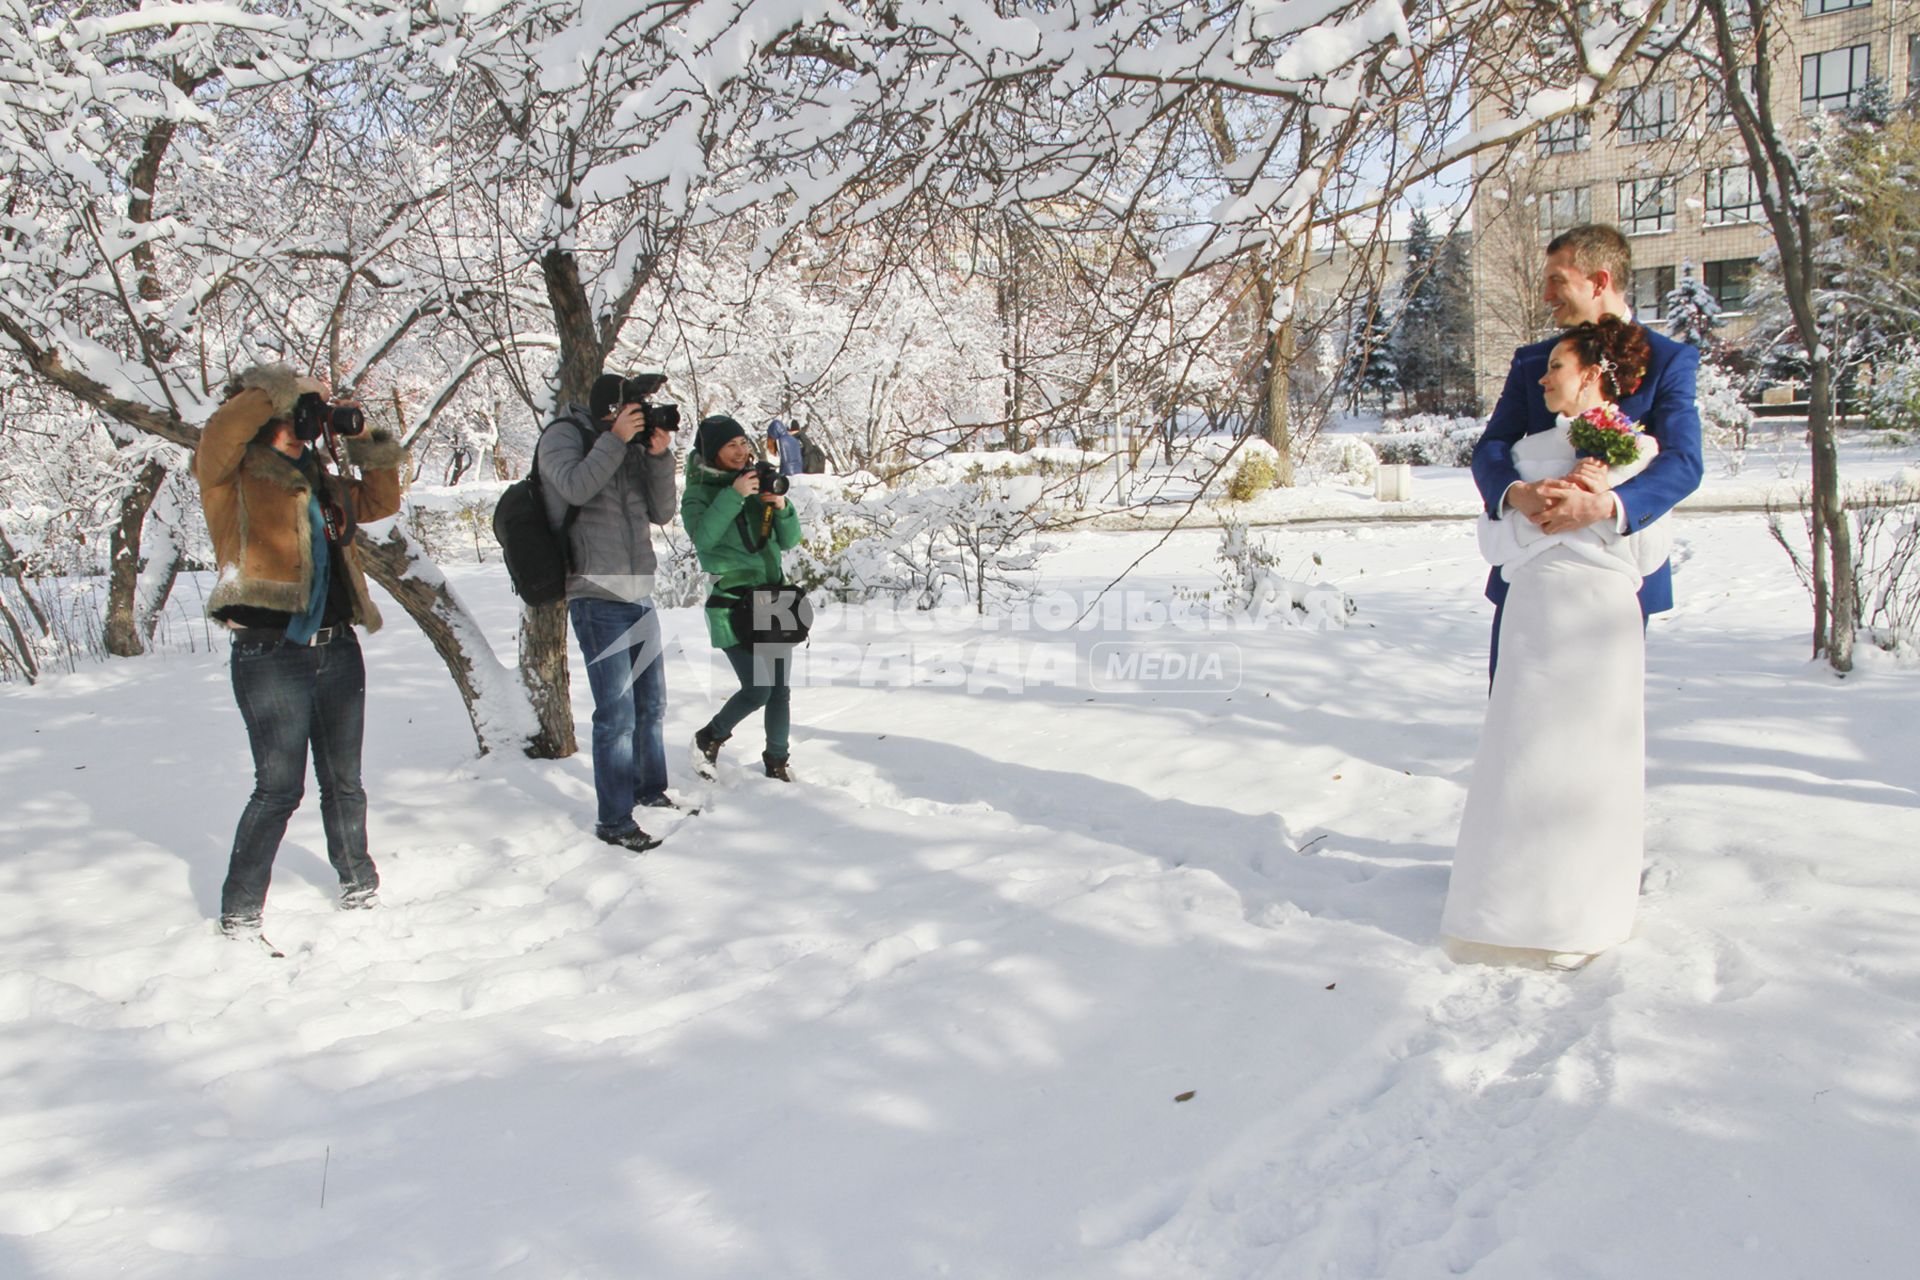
{"x": 303, "y": 626}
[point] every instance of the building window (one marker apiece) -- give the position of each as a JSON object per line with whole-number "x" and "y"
{"x": 1648, "y": 298}
{"x": 1649, "y": 113}
{"x": 1731, "y": 281}
{"x": 1647, "y": 205}
{"x": 1835, "y": 79}
{"x": 1564, "y": 210}
{"x": 1732, "y": 196}
{"x": 1568, "y": 133}
{"x": 1817, "y": 7}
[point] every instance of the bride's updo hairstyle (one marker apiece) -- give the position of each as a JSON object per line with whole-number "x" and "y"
{"x": 1620, "y": 350}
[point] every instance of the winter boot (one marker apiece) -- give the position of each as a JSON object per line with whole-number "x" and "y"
{"x": 247, "y": 929}
{"x": 706, "y": 751}
{"x": 632, "y": 839}
{"x": 359, "y": 897}
{"x": 776, "y": 767}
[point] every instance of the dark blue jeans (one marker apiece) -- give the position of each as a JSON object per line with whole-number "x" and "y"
{"x": 627, "y": 672}
{"x": 291, "y": 696}
{"x": 763, "y": 683}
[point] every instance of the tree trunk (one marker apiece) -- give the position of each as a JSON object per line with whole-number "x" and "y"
{"x": 1830, "y": 523}
{"x": 164, "y": 553}
{"x": 543, "y": 674}
{"x": 123, "y": 636}
{"x": 1279, "y": 418}
{"x": 496, "y": 705}
{"x": 543, "y": 628}
{"x": 15, "y": 572}
{"x": 1276, "y": 409}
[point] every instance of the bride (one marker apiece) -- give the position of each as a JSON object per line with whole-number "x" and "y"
{"x": 1550, "y": 845}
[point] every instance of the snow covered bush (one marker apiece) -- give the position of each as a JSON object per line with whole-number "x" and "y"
{"x": 1252, "y": 584}
{"x": 1256, "y": 470}
{"x": 1886, "y": 539}
{"x": 1894, "y": 402}
{"x": 940, "y": 544}
{"x": 455, "y": 523}
{"x": 1346, "y": 460}
{"x": 678, "y": 580}
{"x": 1725, "y": 418}
{"x": 1428, "y": 440}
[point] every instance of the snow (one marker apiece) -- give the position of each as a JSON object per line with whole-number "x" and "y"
{"x": 931, "y": 1009}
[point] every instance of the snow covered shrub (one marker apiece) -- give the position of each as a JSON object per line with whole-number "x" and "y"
{"x": 1725, "y": 418}
{"x": 1253, "y": 584}
{"x": 930, "y": 546}
{"x": 455, "y": 523}
{"x": 678, "y": 580}
{"x": 1428, "y": 440}
{"x": 1886, "y": 583}
{"x": 1340, "y": 460}
{"x": 1257, "y": 470}
{"x": 1894, "y": 402}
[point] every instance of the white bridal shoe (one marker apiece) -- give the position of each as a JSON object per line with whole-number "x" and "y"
{"x": 1568, "y": 961}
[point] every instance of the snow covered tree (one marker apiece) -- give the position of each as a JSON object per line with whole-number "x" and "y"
{"x": 1433, "y": 329}
{"x": 1693, "y": 313}
{"x": 1417, "y": 321}
{"x": 192, "y": 190}
{"x": 1369, "y": 372}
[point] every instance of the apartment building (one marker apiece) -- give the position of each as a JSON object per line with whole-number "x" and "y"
{"x": 1660, "y": 159}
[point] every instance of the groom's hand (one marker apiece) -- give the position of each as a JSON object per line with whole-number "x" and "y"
{"x": 1569, "y": 507}
{"x": 1527, "y": 499}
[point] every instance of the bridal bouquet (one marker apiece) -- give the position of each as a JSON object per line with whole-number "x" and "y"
{"x": 1606, "y": 433}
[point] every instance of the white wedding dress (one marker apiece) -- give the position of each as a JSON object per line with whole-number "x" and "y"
{"x": 1552, "y": 839}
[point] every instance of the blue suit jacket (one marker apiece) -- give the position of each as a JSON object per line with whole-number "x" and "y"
{"x": 1664, "y": 405}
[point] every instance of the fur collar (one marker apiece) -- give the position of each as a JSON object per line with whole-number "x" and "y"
{"x": 269, "y": 464}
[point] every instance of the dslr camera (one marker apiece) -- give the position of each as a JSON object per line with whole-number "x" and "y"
{"x": 771, "y": 481}
{"x": 640, "y": 391}
{"x": 314, "y": 416}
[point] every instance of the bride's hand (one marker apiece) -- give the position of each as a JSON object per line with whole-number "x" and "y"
{"x": 1592, "y": 475}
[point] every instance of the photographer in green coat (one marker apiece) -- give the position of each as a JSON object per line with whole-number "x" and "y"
{"x": 739, "y": 533}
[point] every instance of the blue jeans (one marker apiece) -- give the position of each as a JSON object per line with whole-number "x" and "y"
{"x": 627, "y": 671}
{"x": 763, "y": 683}
{"x": 291, "y": 696}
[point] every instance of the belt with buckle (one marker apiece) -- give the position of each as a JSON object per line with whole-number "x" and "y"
{"x": 325, "y": 635}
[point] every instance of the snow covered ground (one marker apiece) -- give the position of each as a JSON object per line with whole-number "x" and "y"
{"x": 932, "y": 1010}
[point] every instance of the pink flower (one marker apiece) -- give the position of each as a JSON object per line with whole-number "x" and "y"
{"x": 1608, "y": 417}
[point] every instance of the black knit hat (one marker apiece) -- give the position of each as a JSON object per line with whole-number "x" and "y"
{"x": 605, "y": 394}
{"x": 715, "y": 430}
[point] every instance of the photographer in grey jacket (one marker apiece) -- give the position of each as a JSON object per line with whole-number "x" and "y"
{"x": 613, "y": 460}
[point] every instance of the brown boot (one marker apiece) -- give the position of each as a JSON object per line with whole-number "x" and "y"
{"x": 776, "y": 767}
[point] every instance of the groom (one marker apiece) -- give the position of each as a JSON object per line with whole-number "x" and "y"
{"x": 1587, "y": 272}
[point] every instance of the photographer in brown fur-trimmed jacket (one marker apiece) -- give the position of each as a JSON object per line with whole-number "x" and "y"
{"x": 291, "y": 591}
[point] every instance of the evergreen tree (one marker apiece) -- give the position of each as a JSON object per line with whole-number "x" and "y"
{"x": 1433, "y": 336}
{"x": 1693, "y": 313}
{"x": 1413, "y": 345}
{"x": 1369, "y": 373}
{"x": 1454, "y": 275}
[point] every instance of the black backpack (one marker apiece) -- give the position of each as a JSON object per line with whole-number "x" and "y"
{"x": 535, "y": 552}
{"x": 813, "y": 459}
